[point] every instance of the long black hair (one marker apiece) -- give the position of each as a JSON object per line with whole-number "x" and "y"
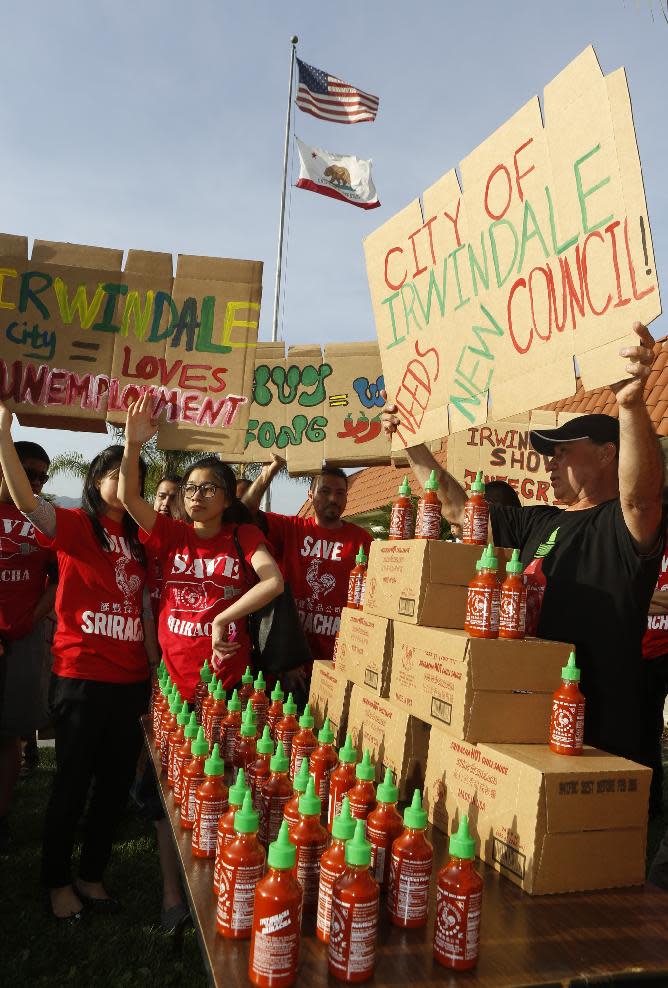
{"x": 236, "y": 513}
{"x": 91, "y": 500}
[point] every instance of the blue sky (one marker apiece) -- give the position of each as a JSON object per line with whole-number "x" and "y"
{"x": 159, "y": 125}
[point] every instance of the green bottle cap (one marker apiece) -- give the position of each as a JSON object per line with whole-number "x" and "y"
{"x": 248, "y": 728}
{"x": 279, "y": 761}
{"x": 432, "y": 483}
{"x": 358, "y": 849}
{"x": 405, "y": 489}
{"x": 247, "y": 678}
{"x": 175, "y": 703}
{"x": 310, "y": 804}
{"x": 414, "y": 816}
{"x": 238, "y": 790}
{"x": 277, "y": 693}
{"x": 387, "y": 792}
{"x": 571, "y": 671}
{"x": 300, "y": 781}
{"x": 235, "y": 702}
{"x": 213, "y": 684}
{"x": 251, "y": 712}
{"x": 282, "y": 853}
{"x": 489, "y": 559}
{"x": 200, "y": 745}
{"x": 220, "y": 693}
{"x": 462, "y": 844}
{"x": 265, "y": 746}
{"x": 192, "y": 727}
{"x": 361, "y": 556}
{"x": 259, "y": 683}
{"x": 205, "y": 672}
{"x": 290, "y": 707}
{"x": 348, "y": 753}
{"x": 167, "y": 684}
{"x": 306, "y": 720}
{"x": 326, "y": 734}
{"x": 246, "y": 820}
{"x": 365, "y": 769}
{"x": 514, "y": 566}
{"x": 183, "y": 715}
{"x": 214, "y": 765}
{"x": 162, "y": 668}
{"x": 478, "y": 485}
{"x": 343, "y": 827}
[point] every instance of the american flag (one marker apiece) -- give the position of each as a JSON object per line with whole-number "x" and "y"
{"x": 328, "y": 98}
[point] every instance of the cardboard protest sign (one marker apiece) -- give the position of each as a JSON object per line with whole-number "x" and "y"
{"x": 80, "y": 337}
{"x": 542, "y": 255}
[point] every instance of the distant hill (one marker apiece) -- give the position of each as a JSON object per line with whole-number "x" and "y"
{"x": 67, "y": 502}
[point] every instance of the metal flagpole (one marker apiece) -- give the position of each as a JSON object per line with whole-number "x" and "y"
{"x": 281, "y": 223}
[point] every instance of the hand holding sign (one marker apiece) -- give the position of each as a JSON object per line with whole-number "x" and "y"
{"x": 630, "y": 391}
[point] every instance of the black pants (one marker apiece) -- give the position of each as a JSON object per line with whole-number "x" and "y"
{"x": 656, "y": 690}
{"x": 98, "y": 739}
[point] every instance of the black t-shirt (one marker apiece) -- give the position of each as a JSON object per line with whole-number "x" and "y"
{"x": 597, "y": 597}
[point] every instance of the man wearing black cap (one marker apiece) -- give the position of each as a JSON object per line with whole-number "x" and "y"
{"x": 600, "y": 553}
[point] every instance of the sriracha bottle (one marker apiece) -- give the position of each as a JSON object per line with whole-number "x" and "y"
{"x": 156, "y": 683}
{"x": 217, "y": 713}
{"x": 332, "y": 866}
{"x": 275, "y": 711}
{"x": 362, "y": 796}
{"x": 176, "y": 738}
{"x": 245, "y": 743}
{"x": 246, "y": 691}
{"x": 159, "y": 707}
{"x": 226, "y": 832}
{"x": 163, "y": 713}
{"x": 287, "y": 726}
{"x": 230, "y": 726}
{"x": 383, "y": 826}
{"x": 210, "y": 805}
{"x": 458, "y": 905}
{"x": 157, "y": 698}
{"x": 356, "y": 581}
{"x": 341, "y": 780}
{"x": 202, "y": 688}
{"x": 310, "y": 838}
{"x": 354, "y": 925}
{"x": 304, "y": 742}
{"x": 193, "y": 777}
{"x": 207, "y": 703}
{"x": 535, "y": 582}
{"x": 260, "y": 702}
{"x": 476, "y": 514}
{"x": 183, "y": 755}
{"x": 242, "y": 867}
{"x": 410, "y": 870}
{"x": 169, "y": 725}
{"x": 568, "y": 712}
{"x": 402, "y": 519}
{"x": 258, "y": 770}
{"x": 323, "y": 761}
{"x": 428, "y": 521}
{"x": 513, "y": 601}
{"x": 483, "y": 598}
{"x": 299, "y": 784}
{"x": 277, "y": 919}
{"x": 275, "y": 793}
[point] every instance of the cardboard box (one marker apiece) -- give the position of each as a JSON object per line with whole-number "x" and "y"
{"x": 394, "y": 738}
{"x": 547, "y": 822}
{"x": 422, "y": 581}
{"x": 364, "y": 650}
{"x": 476, "y": 688}
{"x": 329, "y": 696}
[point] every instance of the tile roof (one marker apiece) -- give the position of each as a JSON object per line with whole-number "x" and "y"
{"x": 374, "y": 487}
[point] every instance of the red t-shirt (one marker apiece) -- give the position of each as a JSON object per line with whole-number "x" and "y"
{"x": 99, "y": 634}
{"x": 655, "y": 641}
{"x": 23, "y": 572}
{"x": 316, "y": 562}
{"x": 201, "y": 578}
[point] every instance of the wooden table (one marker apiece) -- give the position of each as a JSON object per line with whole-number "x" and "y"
{"x": 586, "y": 938}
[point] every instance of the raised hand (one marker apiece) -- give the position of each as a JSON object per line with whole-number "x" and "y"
{"x": 388, "y": 417}
{"x": 629, "y": 392}
{"x": 140, "y": 426}
{"x": 6, "y": 419}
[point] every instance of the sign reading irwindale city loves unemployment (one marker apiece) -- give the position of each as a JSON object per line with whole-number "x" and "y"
{"x": 544, "y": 255}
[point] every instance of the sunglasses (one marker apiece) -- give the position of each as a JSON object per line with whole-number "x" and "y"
{"x": 36, "y": 476}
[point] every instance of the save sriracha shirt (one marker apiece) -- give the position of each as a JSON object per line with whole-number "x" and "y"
{"x": 655, "y": 642}
{"x": 201, "y": 578}
{"x": 23, "y": 572}
{"x": 316, "y": 562}
{"x": 99, "y": 632}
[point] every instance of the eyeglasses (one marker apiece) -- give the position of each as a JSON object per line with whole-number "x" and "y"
{"x": 35, "y": 477}
{"x": 206, "y": 490}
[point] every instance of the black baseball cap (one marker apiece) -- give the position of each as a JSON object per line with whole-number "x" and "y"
{"x": 598, "y": 428}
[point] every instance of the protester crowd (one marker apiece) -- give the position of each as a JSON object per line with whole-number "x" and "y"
{"x": 132, "y": 583}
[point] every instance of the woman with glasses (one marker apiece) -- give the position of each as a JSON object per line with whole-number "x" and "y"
{"x": 207, "y": 585}
{"x": 99, "y": 685}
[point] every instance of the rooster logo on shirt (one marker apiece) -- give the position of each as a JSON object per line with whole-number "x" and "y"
{"x": 128, "y": 585}
{"x": 9, "y": 548}
{"x": 320, "y": 584}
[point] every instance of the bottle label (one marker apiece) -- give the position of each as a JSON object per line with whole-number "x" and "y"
{"x": 307, "y": 869}
{"x": 379, "y": 855}
{"x": 428, "y": 523}
{"x": 236, "y": 897}
{"x": 408, "y": 893}
{"x": 482, "y": 609}
{"x": 180, "y": 762}
{"x": 218, "y": 860}
{"x": 359, "y": 808}
{"x": 567, "y": 724}
{"x": 275, "y": 945}
{"x": 229, "y": 732}
{"x": 352, "y": 936}
{"x": 192, "y": 784}
{"x": 475, "y": 524}
{"x": 207, "y": 815}
{"x": 328, "y": 876}
{"x": 271, "y": 816}
{"x": 297, "y": 756}
{"x": 286, "y": 737}
{"x": 352, "y": 581}
{"x": 513, "y": 611}
{"x": 321, "y": 785}
{"x": 214, "y": 727}
{"x": 457, "y": 927}
{"x": 402, "y": 522}
{"x": 358, "y": 589}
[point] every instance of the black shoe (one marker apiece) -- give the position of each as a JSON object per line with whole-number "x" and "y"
{"x": 74, "y": 919}
{"x": 102, "y": 907}
{"x": 175, "y": 917}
